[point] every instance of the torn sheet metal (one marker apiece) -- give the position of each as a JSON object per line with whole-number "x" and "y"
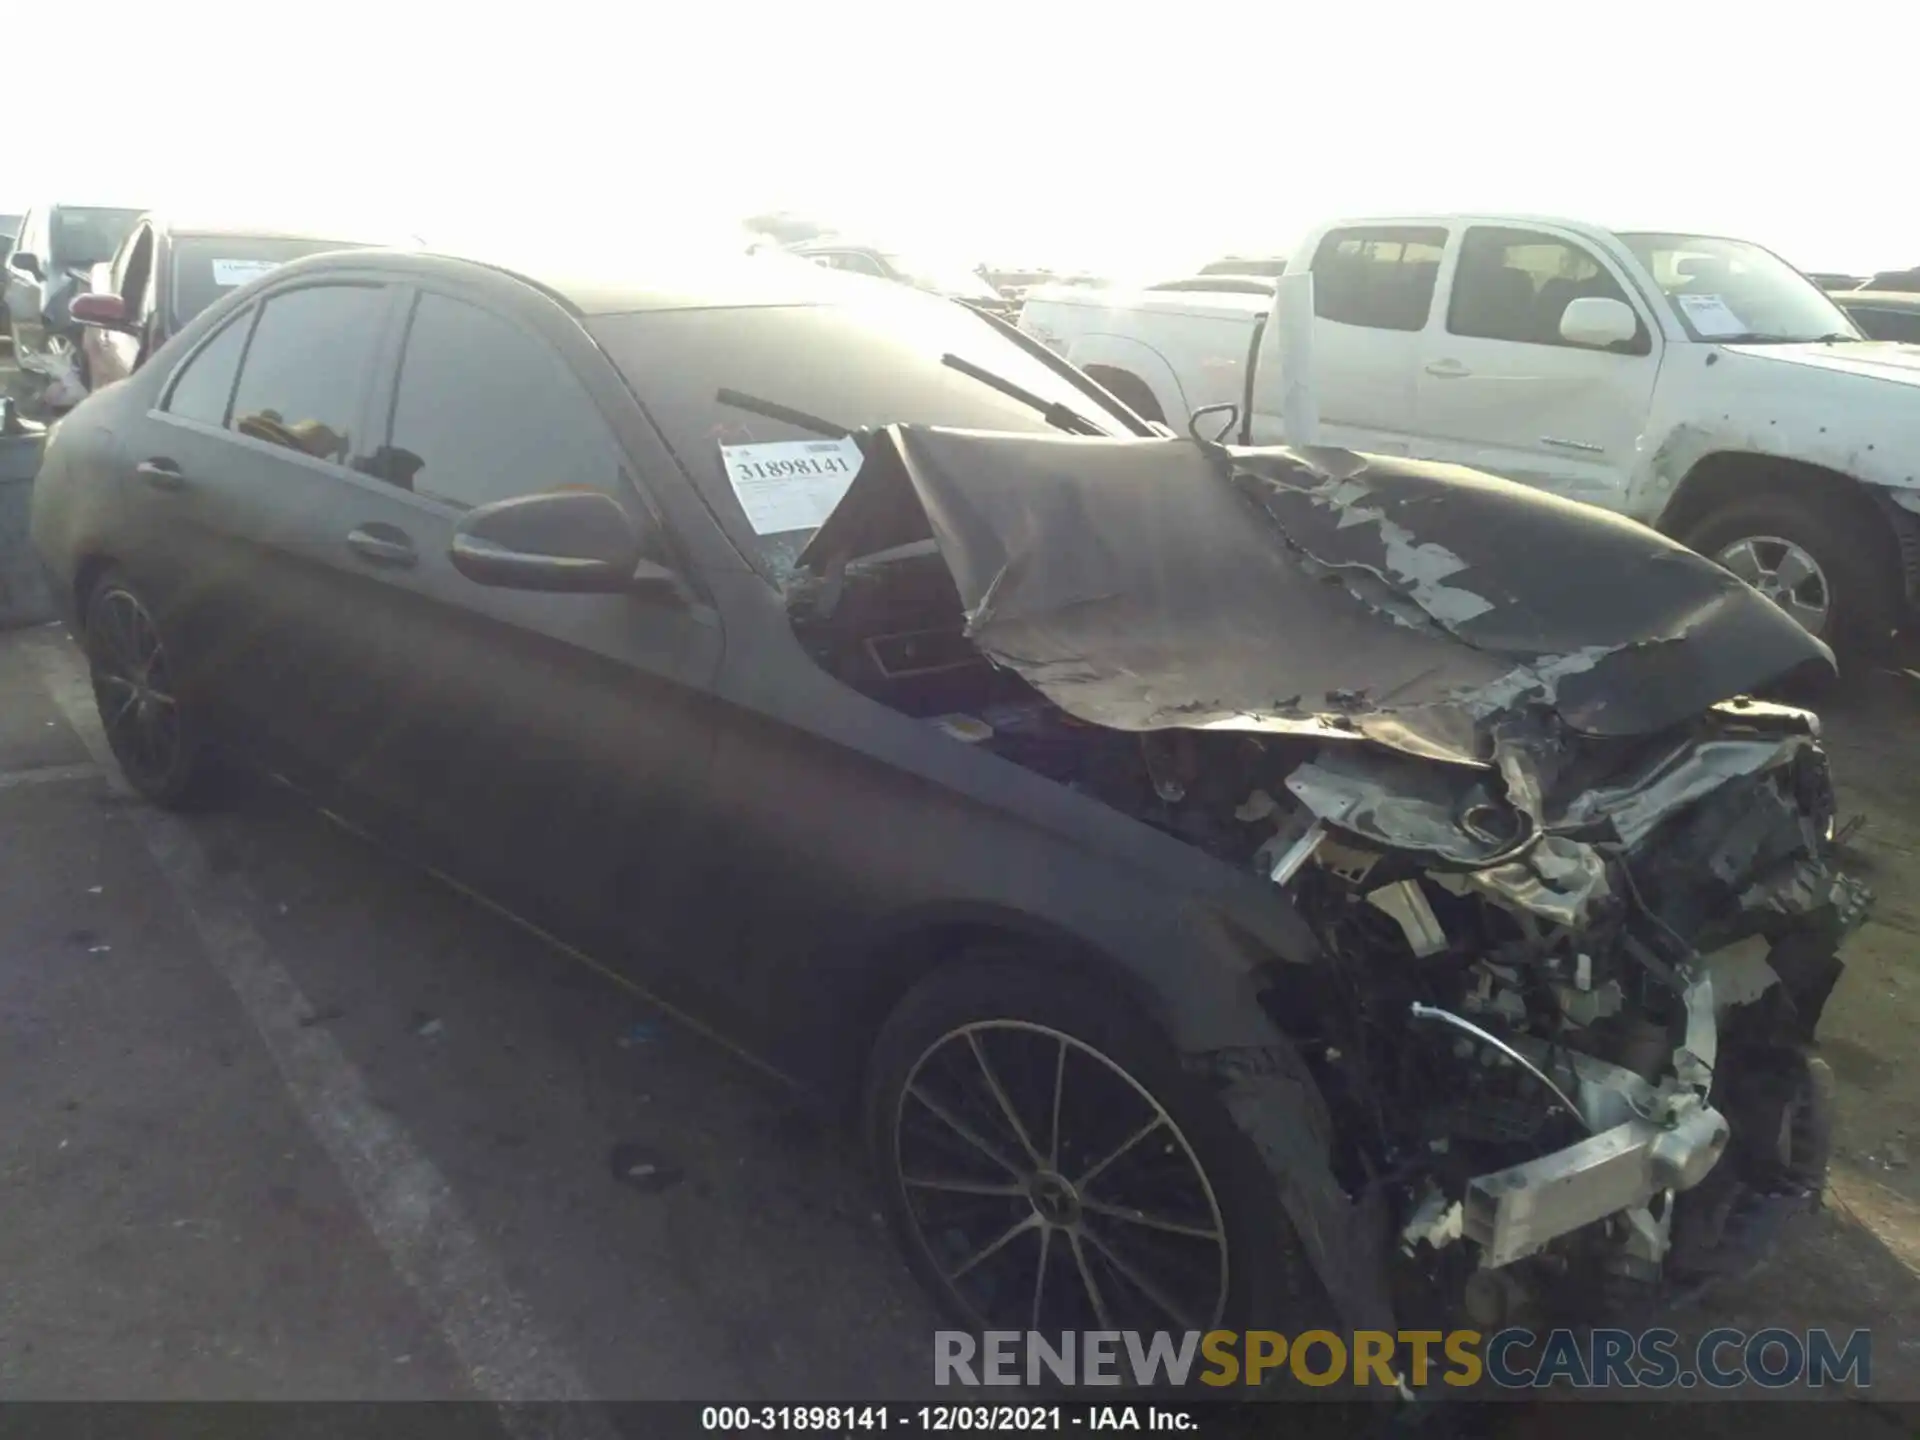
{"x": 1149, "y": 584}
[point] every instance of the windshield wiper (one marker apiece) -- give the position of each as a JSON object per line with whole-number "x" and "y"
{"x": 1754, "y": 337}
{"x": 773, "y": 410}
{"x": 1061, "y": 417}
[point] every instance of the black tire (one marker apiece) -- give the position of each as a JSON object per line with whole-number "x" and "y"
{"x": 157, "y": 733}
{"x": 1855, "y": 555}
{"x": 1263, "y": 1279}
{"x": 1130, "y": 391}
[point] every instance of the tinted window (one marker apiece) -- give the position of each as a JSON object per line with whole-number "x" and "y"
{"x": 1901, "y": 325}
{"x": 1380, "y": 276}
{"x": 134, "y": 265}
{"x": 1516, "y": 284}
{"x": 854, "y": 262}
{"x": 83, "y": 236}
{"x": 206, "y": 267}
{"x": 486, "y": 411}
{"x": 306, "y": 373}
{"x": 205, "y": 382}
{"x": 770, "y": 362}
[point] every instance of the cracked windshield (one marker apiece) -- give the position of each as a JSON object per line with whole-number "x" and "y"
{"x": 1240, "y": 734}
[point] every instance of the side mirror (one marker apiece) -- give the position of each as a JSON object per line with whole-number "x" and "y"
{"x": 1598, "y": 320}
{"x": 26, "y": 260}
{"x": 101, "y": 308}
{"x": 569, "y": 541}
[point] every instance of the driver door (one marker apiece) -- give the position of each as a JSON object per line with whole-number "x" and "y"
{"x": 549, "y": 749}
{"x": 25, "y": 290}
{"x": 113, "y": 354}
{"x": 1498, "y": 389}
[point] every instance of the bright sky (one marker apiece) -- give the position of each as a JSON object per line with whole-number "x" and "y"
{"x": 1129, "y": 139}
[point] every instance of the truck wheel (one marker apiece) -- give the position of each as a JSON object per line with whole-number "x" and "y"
{"x": 156, "y": 733}
{"x": 1832, "y": 569}
{"x": 1129, "y": 390}
{"x": 1047, "y": 1165}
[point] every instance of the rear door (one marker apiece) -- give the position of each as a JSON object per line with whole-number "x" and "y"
{"x": 1500, "y": 390}
{"x": 546, "y": 748}
{"x": 1373, "y": 290}
{"x": 239, "y": 485}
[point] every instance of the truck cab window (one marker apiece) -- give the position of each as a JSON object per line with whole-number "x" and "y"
{"x": 1379, "y": 276}
{"x": 1516, "y": 284}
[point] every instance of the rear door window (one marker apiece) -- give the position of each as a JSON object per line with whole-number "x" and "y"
{"x": 1378, "y": 276}
{"x": 204, "y": 384}
{"x": 304, "y": 382}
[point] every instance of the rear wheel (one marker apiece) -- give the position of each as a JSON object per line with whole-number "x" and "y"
{"x": 1129, "y": 390}
{"x": 155, "y": 732}
{"x": 1047, "y": 1165}
{"x": 1829, "y": 567}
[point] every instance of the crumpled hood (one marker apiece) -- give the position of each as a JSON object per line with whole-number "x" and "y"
{"x": 1873, "y": 359}
{"x": 1148, "y": 584}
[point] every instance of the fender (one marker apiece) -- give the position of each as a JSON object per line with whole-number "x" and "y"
{"x": 1148, "y": 365}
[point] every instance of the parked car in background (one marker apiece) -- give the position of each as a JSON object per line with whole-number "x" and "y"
{"x": 1220, "y": 284}
{"x": 951, "y": 278}
{"x": 1883, "y": 314}
{"x": 52, "y": 261}
{"x": 1831, "y": 280}
{"x": 1698, "y": 384}
{"x": 9, "y": 232}
{"x": 642, "y": 606}
{"x": 166, "y": 272}
{"x": 1271, "y": 266}
{"x": 1900, "y": 281}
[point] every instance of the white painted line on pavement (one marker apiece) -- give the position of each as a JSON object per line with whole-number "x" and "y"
{"x": 404, "y": 1199}
{"x": 47, "y": 775}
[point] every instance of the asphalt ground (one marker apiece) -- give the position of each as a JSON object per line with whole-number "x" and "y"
{"x": 284, "y": 1117}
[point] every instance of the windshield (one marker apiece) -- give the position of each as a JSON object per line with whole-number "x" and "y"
{"x": 888, "y": 364}
{"x": 942, "y": 277}
{"x": 1733, "y": 290}
{"x": 83, "y": 236}
{"x": 205, "y": 267}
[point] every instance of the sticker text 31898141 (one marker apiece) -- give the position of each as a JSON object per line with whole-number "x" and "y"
{"x": 789, "y": 485}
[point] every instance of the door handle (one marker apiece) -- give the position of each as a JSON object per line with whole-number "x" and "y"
{"x": 160, "y": 473}
{"x": 390, "y": 548}
{"x": 1447, "y": 370}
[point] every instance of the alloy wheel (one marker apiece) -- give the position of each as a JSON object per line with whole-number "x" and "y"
{"x": 133, "y": 687}
{"x": 1786, "y": 574}
{"x": 1051, "y": 1191}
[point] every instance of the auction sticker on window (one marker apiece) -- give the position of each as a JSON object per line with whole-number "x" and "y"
{"x": 788, "y": 485}
{"x": 1711, "y": 316}
{"x": 239, "y": 272}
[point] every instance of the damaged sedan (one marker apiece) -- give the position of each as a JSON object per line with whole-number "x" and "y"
{"x": 1231, "y": 887}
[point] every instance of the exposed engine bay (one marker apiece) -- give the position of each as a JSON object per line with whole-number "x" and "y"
{"x": 1570, "y": 961}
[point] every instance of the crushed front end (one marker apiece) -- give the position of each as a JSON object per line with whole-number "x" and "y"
{"x": 1566, "y": 1040}
{"x": 1577, "y": 912}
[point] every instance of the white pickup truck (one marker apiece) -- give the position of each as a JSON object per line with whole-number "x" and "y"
{"x": 1698, "y": 384}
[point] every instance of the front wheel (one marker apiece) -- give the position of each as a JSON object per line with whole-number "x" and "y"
{"x": 1831, "y": 568}
{"x": 1048, "y": 1166}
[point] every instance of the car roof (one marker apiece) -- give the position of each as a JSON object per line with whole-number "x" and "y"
{"x": 1879, "y": 299}
{"x": 187, "y": 225}
{"x": 615, "y": 280}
